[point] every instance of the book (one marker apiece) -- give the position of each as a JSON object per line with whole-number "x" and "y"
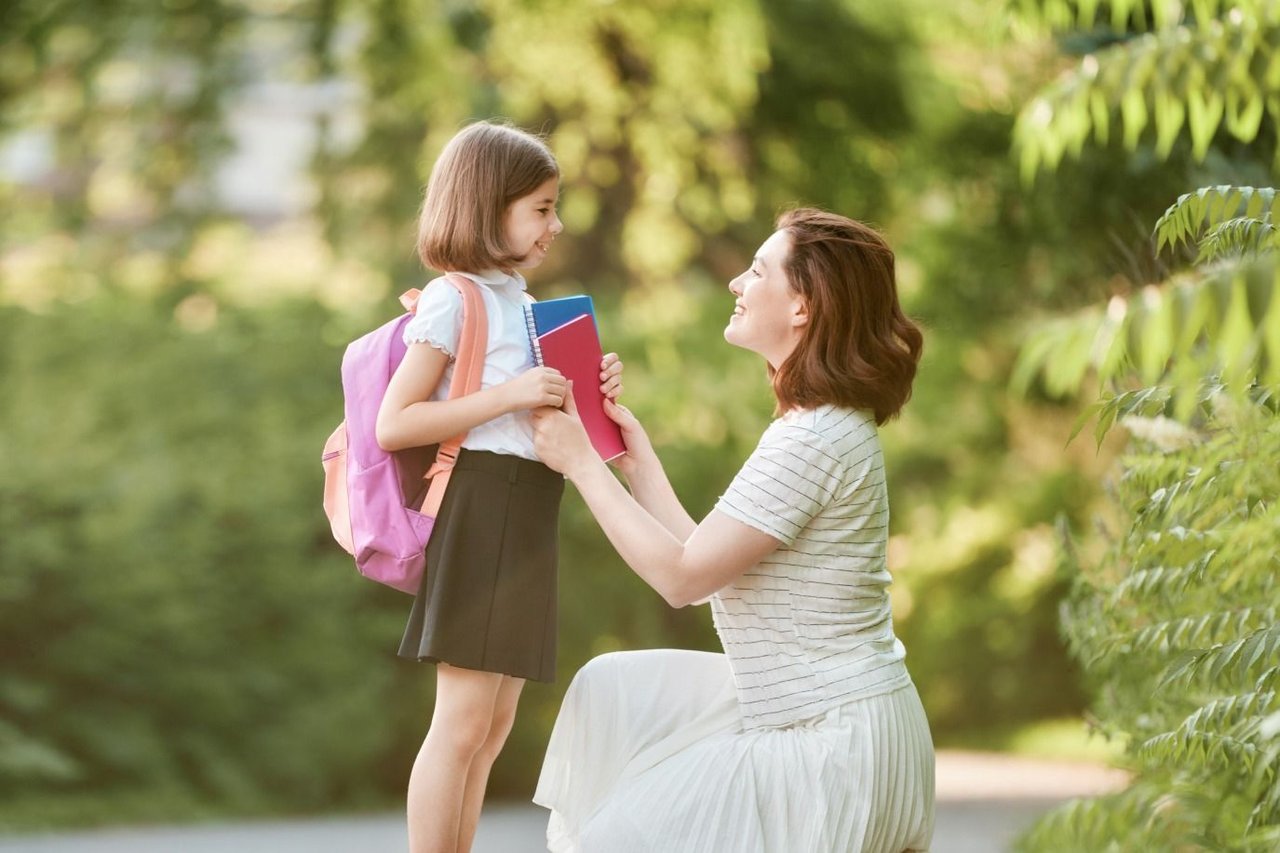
{"x": 574, "y": 349}
{"x": 542, "y": 317}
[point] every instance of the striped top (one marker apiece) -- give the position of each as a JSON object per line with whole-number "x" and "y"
{"x": 809, "y": 627}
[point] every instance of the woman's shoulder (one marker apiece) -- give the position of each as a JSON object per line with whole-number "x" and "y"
{"x": 831, "y": 425}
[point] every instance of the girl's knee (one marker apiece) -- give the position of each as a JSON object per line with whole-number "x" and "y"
{"x": 462, "y": 734}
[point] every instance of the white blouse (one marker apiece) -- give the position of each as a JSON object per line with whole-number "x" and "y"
{"x": 438, "y": 322}
{"x": 809, "y": 627}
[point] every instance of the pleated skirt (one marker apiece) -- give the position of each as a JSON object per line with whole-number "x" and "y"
{"x": 649, "y": 754}
{"x": 488, "y": 600}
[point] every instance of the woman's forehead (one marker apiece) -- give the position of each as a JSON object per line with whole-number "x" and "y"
{"x": 775, "y": 249}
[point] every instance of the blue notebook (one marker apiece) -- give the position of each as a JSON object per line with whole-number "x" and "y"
{"x": 542, "y": 317}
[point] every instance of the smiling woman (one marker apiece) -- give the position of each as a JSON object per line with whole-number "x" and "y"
{"x": 768, "y": 316}
{"x": 807, "y": 733}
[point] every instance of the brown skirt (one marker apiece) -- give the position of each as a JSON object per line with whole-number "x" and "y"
{"x": 488, "y": 598}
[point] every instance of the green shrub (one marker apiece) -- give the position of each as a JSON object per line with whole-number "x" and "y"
{"x": 1178, "y": 634}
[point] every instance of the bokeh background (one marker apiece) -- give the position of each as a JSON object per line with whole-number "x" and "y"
{"x": 203, "y": 201}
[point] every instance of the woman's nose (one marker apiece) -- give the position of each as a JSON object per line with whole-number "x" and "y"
{"x": 734, "y": 287}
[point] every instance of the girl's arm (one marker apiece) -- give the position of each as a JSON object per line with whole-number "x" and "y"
{"x": 716, "y": 551}
{"x": 407, "y": 418}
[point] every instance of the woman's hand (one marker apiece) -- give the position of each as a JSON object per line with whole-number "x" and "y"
{"x": 639, "y": 448}
{"x": 560, "y": 440}
{"x": 611, "y": 376}
{"x": 538, "y": 386}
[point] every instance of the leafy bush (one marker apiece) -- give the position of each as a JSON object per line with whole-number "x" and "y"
{"x": 171, "y": 614}
{"x": 1178, "y": 633}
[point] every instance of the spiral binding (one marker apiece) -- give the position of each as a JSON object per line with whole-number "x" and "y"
{"x": 533, "y": 335}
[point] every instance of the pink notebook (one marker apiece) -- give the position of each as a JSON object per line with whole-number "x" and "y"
{"x": 574, "y": 350}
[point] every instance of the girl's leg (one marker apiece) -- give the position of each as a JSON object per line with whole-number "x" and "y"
{"x": 504, "y": 714}
{"x": 460, "y": 725}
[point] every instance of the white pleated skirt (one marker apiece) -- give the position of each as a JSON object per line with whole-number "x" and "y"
{"x": 649, "y": 754}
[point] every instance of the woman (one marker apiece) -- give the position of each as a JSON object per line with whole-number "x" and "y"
{"x": 807, "y": 733}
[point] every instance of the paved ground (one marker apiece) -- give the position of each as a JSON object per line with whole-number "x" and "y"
{"x": 984, "y": 801}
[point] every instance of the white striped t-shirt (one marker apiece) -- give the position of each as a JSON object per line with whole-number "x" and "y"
{"x": 809, "y": 627}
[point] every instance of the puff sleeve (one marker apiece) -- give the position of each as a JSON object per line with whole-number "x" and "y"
{"x": 438, "y": 318}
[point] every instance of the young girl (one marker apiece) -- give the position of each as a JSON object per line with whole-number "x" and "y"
{"x": 486, "y": 609}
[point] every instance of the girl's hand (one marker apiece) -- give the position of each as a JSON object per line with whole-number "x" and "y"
{"x": 536, "y": 387}
{"x": 559, "y": 438}
{"x": 611, "y": 376}
{"x": 639, "y": 448}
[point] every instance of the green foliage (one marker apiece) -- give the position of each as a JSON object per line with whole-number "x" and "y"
{"x": 1126, "y": 15}
{"x": 1176, "y": 628}
{"x": 1219, "y": 321}
{"x": 1222, "y": 319}
{"x": 1232, "y": 214}
{"x": 1205, "y": 69}
{"x": 172, "y": 614}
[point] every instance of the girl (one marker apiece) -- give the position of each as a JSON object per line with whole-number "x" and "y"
{"x": 807, "y": 733}
{"x": 486, "y": 610}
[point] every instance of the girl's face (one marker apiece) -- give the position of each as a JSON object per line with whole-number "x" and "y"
{"x": 530, "y": 224}
{"x": 768, "y": 316}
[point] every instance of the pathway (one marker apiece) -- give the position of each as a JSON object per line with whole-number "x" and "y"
{"x": 984, "y": 801}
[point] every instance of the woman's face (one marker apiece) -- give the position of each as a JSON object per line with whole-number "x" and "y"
{"x": 530, "y": 224}
{"x": 768, "y": 316}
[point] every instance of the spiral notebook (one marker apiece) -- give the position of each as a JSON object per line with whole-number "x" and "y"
{"x": 542, "y": 317}
{"x": 563, "y": 335}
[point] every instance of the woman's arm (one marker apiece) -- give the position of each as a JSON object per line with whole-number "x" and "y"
{"x": 716, "y": 551}
{"x": 645, "y": 475}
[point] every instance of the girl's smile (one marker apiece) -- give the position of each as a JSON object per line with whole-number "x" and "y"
{"x": 531, "y": 224}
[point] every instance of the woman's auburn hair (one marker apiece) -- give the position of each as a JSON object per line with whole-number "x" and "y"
{"x": 858, "y": 349}
{"x": 480, "y": 172}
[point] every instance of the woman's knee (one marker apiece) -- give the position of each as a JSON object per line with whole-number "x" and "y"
{"x": 645, "y": 666}
{"x": 602, "y": 668}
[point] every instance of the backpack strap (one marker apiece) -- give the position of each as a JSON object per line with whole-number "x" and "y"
{"x": 467, "y": 371}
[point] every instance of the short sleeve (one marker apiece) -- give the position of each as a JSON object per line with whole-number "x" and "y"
{"x": 792, "y": 475}
{"x": 438, "y": 318}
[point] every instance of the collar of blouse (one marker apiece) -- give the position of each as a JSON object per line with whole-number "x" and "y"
{"x": 499, "y": 280}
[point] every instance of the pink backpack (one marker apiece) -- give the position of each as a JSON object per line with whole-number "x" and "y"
{"x": 382, "y": 506}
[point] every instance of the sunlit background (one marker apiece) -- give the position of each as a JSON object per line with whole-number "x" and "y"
{"x": 202, "y": 201}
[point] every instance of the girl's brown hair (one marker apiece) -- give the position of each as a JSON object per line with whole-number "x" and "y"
{"x": 858, "y": 349}
{"x": 484, "y": 168}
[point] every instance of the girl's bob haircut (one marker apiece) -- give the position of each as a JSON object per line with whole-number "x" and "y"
{"x": 858, "y": 349}
{"x": 482, "y": 170}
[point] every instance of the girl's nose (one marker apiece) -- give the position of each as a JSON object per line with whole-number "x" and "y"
{"x": 556, "y": 225}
